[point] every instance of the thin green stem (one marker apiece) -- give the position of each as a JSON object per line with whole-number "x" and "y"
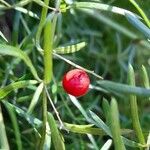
{"x": 44, "y": 119}
{"x": 46, "y": 53}
{"x": 134, "y": 108}
{"x": 49, "y": 32}
{"x": 141, "y": 12}
{"x": 48, "y": 45}
{"x": 77, "y": 66}
{"x": 55, "y": 110}
{"x": 41, "y": 24}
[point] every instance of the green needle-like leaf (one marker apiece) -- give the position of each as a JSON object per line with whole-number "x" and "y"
{"x": 104, "y": 7}
{"x": 124, "y": 88}
{"x": 145, "y": 78}
{"x": 35, "y": 98}
{"x": 16, "y": 52}
{"x": 99, "y": 123}
{"x": 70, "y": 48}
{"x": 146, "y": 19}
{"x": 134, "y": 108}
{"x": 84, "y": 129}
{"x": 139, "y": 25}
{"x": 56, "y": 137}
{"x": 2, "y": 35}
{"x": 12, "y": 114}
{"x": 16, "y": 85}
{"x": 115, "y": 126}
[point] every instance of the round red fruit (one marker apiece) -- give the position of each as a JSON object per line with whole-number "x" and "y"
{"x": 76, "y": 82}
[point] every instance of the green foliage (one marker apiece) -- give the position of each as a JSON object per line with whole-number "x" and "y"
{"x": 107, "y": 39}
{"x": 11, "y": 110}
{"x": 16, "y": 52}
{"x": 139, "y": 25}
{"x": 14, "y": 86}
{"x": 56, "y": 137}
{"x": 70, "y": 48}
{"x": 3, "y": 140}
{"x": 124, "y": 89}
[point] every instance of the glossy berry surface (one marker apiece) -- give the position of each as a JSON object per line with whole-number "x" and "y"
{"x": 76, "y": 82}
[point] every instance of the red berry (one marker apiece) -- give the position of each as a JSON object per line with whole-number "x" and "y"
{"x": 76, "y": 82}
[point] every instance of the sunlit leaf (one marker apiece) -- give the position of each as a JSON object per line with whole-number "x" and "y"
{"x": 2, "y": 35}
{"x": 107, "y": 145}
{"x": 25, "y": 11}
{"x": 146, "y": 19}
{"x": 70, "y": 48}
{"x": 35, "y": 98}
{"x": 105, "y": 7}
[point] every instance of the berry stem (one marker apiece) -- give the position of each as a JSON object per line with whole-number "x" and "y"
{"x": 55, "y": 110}
{"x": 77, "y": 66}
{"x": 41, "y": 24}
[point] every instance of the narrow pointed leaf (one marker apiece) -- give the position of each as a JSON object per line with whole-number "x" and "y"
{"x": 35, "y": 122}
{"x": 16, "y": 52}
{"x": 132, "y": 143}
{"x": 47, "y": 142}
{"x": 78, "y": 105}
{"x": 25, "y": 11}
{"x": 124, "y": 88}
{"x": 146, "y": 19}
{"x": 115, "y": 126}
{"x": 107, "y": 145}
{"x": 70, "y": 48}
{"x": 16, "y": 85}
{"x": 13, "y": 117}
{"x": 35, "y": 98}
{"x": 108, "y": 21}
{"x": 84, "y": 129}
{"x": 139, "y": 25}
{"x": 56, "y": 138}
{"x": 106, "y": 109}
{"x": 99, "y": 123}
{"x": 145, "y": 78}
{"x": 134, "y": 108}
{"x": 105, "y": 7}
